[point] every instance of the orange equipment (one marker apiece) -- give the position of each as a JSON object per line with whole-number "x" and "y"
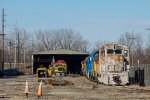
{"x": 40, "y": 90}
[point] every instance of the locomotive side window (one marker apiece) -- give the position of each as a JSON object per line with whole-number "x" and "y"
{"x": 118, "y": 51}
{"x": 125, "y": 53}
{"x": 96, "y": 57}
{"x": 90, "y": 59}
{"x": 103, "y": 52}
{"x": 110, "y": 51}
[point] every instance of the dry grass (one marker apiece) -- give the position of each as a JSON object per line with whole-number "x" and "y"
{"x": 83, "y": 89}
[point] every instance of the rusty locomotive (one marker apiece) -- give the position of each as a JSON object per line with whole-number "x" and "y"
{"x": 108, "y": 65}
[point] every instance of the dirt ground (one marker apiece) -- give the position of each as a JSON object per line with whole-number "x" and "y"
{"x": 83, "y": 89}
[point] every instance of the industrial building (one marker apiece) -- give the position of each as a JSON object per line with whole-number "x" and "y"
{"x": 72, "y": 58}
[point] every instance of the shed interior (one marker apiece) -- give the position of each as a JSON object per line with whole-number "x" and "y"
{"x": 73, "y": 61}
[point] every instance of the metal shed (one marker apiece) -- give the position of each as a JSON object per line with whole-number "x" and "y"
{"x": 72, "y": 58}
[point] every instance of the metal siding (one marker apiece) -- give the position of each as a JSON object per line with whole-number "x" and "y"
{"x": 140, "y": 75}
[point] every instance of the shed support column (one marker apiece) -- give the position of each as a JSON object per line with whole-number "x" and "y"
{"x": 32, "y": 61}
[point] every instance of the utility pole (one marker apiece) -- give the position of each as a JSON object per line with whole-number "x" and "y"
{"x": 24, "y": 55}
{"x": 10, "y": 54}
{"x": 32, "y": 44}
{"x": 2, "y": 42}
{"x": 148, "y": 30}
{"x": 18, "y": 51}
{"x": 31, "y": 56}
{"x": 132, "y": 38}
{"x": 132, "y": 49}
{"x": 15, "y": 45}
{"x": 25, "y": 59}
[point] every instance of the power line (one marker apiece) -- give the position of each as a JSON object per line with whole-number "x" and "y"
{"x": 147, "y": 28}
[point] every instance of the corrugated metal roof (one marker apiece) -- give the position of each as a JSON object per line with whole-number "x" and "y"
{"x": 62, "y": 51}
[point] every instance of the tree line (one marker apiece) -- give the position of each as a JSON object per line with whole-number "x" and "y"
{"x": 139, "y": 47}
{"x": 27, "y": 43}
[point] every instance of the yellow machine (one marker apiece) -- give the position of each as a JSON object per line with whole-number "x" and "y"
{"x": 60, "y": 67}
{"x": 44, "y": 72}
{"x": 83, "y": 63}
{"x": 50, "y": 72}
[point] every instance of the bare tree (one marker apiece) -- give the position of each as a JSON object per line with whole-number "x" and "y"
{"x": 147, "y": 50}
{"x": 98, "y": 44}
{"x": 24, "y": 46}
{"x": 60, "y": 39}
{"x": 135, "y": 44}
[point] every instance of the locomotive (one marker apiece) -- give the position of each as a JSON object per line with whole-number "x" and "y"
{"x": 108, "y": 65}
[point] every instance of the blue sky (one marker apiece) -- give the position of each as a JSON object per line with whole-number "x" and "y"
{"x": 94, "y": 19}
